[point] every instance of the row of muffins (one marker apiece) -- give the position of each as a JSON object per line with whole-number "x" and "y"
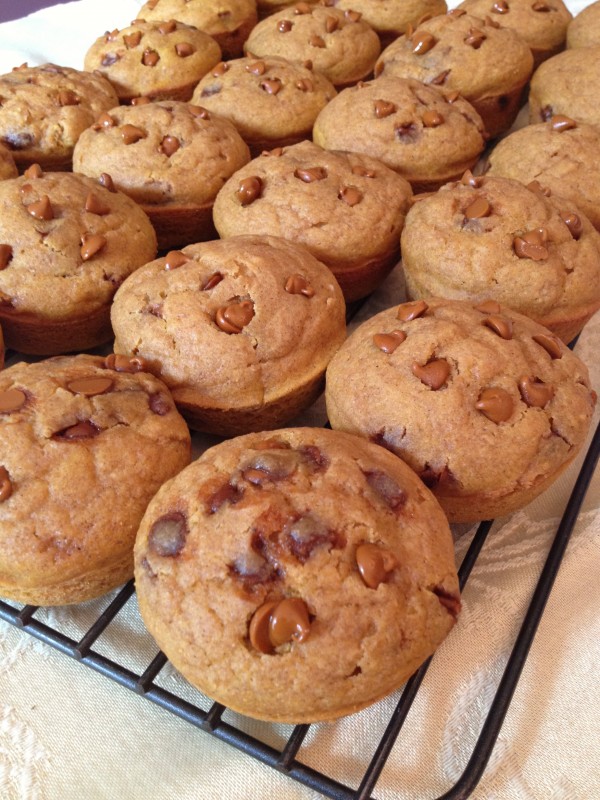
{"x": 295, "y": 566}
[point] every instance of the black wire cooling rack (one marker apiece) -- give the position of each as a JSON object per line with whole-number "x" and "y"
{"x": 285, "y": 759}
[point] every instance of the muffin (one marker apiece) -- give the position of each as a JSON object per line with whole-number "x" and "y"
{"x": 346, "y": 208}
{"x": 566, "y": 85}
{"x": 271, "y": 101}
{"x": 8, "y": 168}
{"x": 85, "y": 445}
{"x": 392, "y": 18}
{"x": 488, "y": 65}
{"x": 542, "y": 24}
{"x": 584, "y": 29}
{"x": 561, "y": 155}
{"x": 426, "y": 136}
{"x": 338, "y": 44}
{"x": 240, "y": 330}
{"x": 66, "y": 244}
{"x": 228, "y": 21}
{"x": 158, "y": 60}
{"x": 487, "y": 406}
{"x": 171, "y": 158}
{"x": 296, "y": 576}
{"x": 45, "y": 109}
{"x": 496, "y": 238}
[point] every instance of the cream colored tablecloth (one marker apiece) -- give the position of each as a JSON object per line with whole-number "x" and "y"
{"x": 67, "y": 732}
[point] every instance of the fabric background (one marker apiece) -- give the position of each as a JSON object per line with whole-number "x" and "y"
{"x": 67, "y": 732}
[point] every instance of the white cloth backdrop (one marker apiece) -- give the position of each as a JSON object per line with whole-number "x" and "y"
{"x": 66, "y": 732}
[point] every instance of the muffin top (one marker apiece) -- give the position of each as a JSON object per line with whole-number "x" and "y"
{"x": 418, "y": 377}
{"x": 460, "y": 52}
{"x": 494, "y": 237}
{"x": 84, "y": 448}
{"x": 153, "y": 58}
{"x": 266, "y": 99}
{"x": 231, "y": 324}
{"x": 344, "y": 207}
{"x": 67, "y": 243}
{"x": 45, "y": 109}
{"x": 566, "y": 84}
{"x": 561, "y": 154}
{"x": 165, "y": 153}
{"x": 419, "y": 131}
{"x": 542, "y": 24}
{"x": 211, "y": 16}
{"x": 338, "y": 43}
{"x": 584, "y": 30}
{"x": 393, "y": 16}
{"x": 330, "y": 534}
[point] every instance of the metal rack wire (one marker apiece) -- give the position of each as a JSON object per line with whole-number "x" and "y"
{"x": 285, "y": 759}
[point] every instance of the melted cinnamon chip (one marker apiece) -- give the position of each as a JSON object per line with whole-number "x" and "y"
{"x": 12, "y": 400}
{"x": 249, "y": 190}
{"x": 41, "y": 209}
{"x": 413, "y": 310}
{"x": 386, "y": 487}
{"x": 234, "y": 317}
{"x": 500, "y": 325}
{"x": 297, "y": 284}
{"x": 91, "y": 245}
{"x": 496, "y": 404}
{"x": 90, "y": 386}
{"x": 175, "y": 259}
{"x": 278, "y": 623}
{"x": 534, "y": 392}
{"x": 228, "y": 493}
{"x": 389, "y": 342}
{"x": 433, "y": 374}
{"x": 422, "y": 42}
{"x": 375, "y": 563}
{"x": 168, "y": 535}
{"x": 85, "y": 429}
{"x": 550, "y": 343}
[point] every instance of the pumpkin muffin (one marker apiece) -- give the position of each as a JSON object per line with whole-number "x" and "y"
{"x": 44, "y": 110}
{"x": 487, "y": 406}
{"x": 158, "y": 60}
{"x": 565, "y": 85}
{"x": 346, "y": 208}
{"x": 297, "y": 575}
{"x": 422, "y": 133}
{"x": 495, "y": 238}
{"x": 392, "y": 18}
{"x": 337, "y": 43}
{"x": 240, "y": 330}
{"x": 542, "y": 24}
{"x": 488, "y": 65}
{"x": 229, "y": 22}
{"x": 562, "y": 155}
{"x": 86, "y": 442}
{"x": 66, "y": 244}
{"x": 171, "y": 158}
{"x": 584, "y": 29}
{"x": 271, "y": 101}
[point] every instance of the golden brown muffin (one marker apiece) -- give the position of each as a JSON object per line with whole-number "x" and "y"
{"x": 584, "y": 29}
{"x": 488, "y": 65}
{"x": 561, "y": 155}
{"x": 45, "y": 109}
{"x": 267, "y": 7}
{"x": 487, "y": 406}
{"x": 8, "y": 168}
{"x": 426, "y": 136}
{"x": 66, "y": 244}
{"x": 298, "y": 575}
{"x": 229, "y": 22}
{"x": 391, "y": 18}
{"x": 271, "y": 101}
{"x": 172, "y": 158}
{"x": 346, "y": 208}
{"x": 338, "y": 44}
{"x": 84, "y": 449}
{"x": 158, "y": 60}
{"x": 542, "y": 24}
{"x": 495, "y": 238}
{"x": 566, "y": 85}
{"x": 240, "y": 330}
